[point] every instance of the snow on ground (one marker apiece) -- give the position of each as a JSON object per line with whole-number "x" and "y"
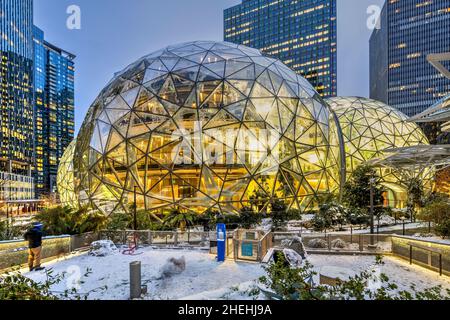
{"x": 398, "y": 271}
{"x": 202, "y": 274}
{"x": 205, "y": 279}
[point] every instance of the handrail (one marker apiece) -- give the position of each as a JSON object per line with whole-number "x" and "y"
{"x": 421, "y": 240}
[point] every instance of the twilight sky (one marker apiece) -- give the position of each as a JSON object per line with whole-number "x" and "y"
{"x": 115, "y": 33}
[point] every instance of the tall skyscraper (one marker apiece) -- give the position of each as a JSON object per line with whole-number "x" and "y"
{"x": 400, "y": 74}
{"x": 54, "y": 109}
{"x": 301, "y": 33}
{"x": 36, "y": 98}
{"x": 16, "y": 81}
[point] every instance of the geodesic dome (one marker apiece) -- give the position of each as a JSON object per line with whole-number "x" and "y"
{"x": 206, "y": 125}
{"x": 64, "y": 178}
{"x": 370, "y": 127}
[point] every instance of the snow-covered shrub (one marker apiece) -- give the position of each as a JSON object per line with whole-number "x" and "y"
{"x": 285, "y": 243}
{"x": 266, "y": 224}
{"x": 294, "y": 259}
{"x": 173, "y": 267}
{"x": 330, "y": 214}
{"x": 386, "y": 220}
{"x": 357, "y": 216}
{"x": 338, "y": 244}
{"x": 317, "y": 244}
{"x": 423, "y": 235}
{"x": 102, "y": 248}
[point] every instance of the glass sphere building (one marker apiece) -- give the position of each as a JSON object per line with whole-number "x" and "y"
{"x": 206, "y": 126}
{"x": 370, "y": 127}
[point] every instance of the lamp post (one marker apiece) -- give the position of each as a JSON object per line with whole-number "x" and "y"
{"x": 135, "y": 209}
{"x": 7, "y": 218}
{"x": 372, "y": 227}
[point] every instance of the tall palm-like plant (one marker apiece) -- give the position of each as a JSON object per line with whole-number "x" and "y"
{"x": 180, "y": 219}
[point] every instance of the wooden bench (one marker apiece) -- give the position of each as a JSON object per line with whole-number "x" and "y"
{"x": 426, "y": 248}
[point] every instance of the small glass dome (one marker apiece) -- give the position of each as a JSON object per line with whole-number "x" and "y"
{"x": 370, "y": 127}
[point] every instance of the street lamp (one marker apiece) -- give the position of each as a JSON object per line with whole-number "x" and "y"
{"x": 372, "y": 227}
{"x": 135, "y": 209}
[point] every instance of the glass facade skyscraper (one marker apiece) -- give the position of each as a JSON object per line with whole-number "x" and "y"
{"x": 36, "y": 97}
{"x": 54, "y": 108}
{"x": 16, "y": 85}
{"x": 400, "y": 74}
{"x": 302, "y": 34}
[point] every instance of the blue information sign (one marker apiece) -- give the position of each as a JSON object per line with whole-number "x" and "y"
{"x": 221, "y": 242}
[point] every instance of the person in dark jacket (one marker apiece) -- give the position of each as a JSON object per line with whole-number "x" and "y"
{"x": 34, "y": 238}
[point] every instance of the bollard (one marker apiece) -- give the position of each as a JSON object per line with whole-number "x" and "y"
{"x": 135, "y": 280}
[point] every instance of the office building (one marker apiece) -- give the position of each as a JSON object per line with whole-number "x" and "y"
{"x": 302, "y": 34}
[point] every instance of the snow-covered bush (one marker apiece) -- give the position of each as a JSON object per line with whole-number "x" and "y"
{"x": 294, "y": 259}
{"x": 102, "y": 248}
{"x": 386, "y": 221}
{"x": 266, "y": 224}
{"x": 423, "y": 235}
{"x": 173, "y": 267}
{"x": 317, "y": 244}
{"x": 338, "y": 244}
{"x": 330, "y": 214}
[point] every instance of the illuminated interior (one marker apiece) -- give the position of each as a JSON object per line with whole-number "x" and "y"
{"x": 206, "y": 126}
{"x": 370, "y": 127}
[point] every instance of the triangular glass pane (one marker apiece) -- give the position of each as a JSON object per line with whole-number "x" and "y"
{"x": 208, "y": 75}
{"x": 155, "y": 85}
{"x": 130, "y": 96}
{"x": 170, "y": 62}
{"x": 118, "y": 103}
{"x": 151, "y": 74}
{"x": 205, "y": 90}
{"x": 158, "y": 65}
{"x": 212, "y": 58}
{"x": 197, "y": 57}
{"x": 143, "y": 98}
{"x": 218, "y": 68}
{"x": 184, "y": 64}
{"x": 263, "y": 106}
{"x": 234, "y": 67}
{"x": 243, "y": 86}
{"x": 188, "y": 73}
{"x": 264, "y": 80}
{"x": 260, "y": 92}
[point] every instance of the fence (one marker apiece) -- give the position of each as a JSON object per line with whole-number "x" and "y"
{"x": 340, "y": 243}
{"x": 429, "y": 254}
{"x": 158, "y": 238}
{"x": 251, "y": 245}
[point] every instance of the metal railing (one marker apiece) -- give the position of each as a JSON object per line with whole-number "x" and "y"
{"x": 340, "y": 243}
{"x": 432, "y": 255}
{"x": 158, "y": 238}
